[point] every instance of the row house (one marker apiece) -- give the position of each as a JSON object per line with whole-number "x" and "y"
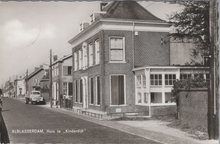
{"x": 33, "y": 79}
{"x": 121, "y": 62}
{"x": 62, "y": 87}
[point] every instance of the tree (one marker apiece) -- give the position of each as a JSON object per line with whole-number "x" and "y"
{"x": 193, "y": 23}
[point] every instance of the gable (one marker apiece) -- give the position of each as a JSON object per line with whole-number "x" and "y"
{"x": 128, "y": 10}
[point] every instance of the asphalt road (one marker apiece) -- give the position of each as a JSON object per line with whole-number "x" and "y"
{"x": 33, "y": 124}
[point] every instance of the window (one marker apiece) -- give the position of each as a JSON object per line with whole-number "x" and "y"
{"x": 117, "y": 90}
{"x": 65, "y": 88}
{"x": 91, "y": 55}
{"x": 76, "y": 90}
{"x": 98, "y": 94}
{"x": 84, "y": 59}
{"x": 156, "y": 97}
{"x": 170, "y": 79}
{"x": 97, "y": 52}
{"x": 57, "y": 70}
{"x": 207, "y": 77}
{"x": 206, "y": 60}
{"x": 69, "y": 70}
{"x": 156, "y": 79}
{"x": 138, "y": 82}
{"x": 146, "y": 97}
{"x": 80, "y": 59}
{"x": 80, "y": 91}
{"x": 168, "y": 98}
{"x": 144, "y": 81}
{"x": 199, "y": 76}
{"x": 70, "y": 89}
{"x": 91, "y": 91}
{"x": 185, "y": 76}
{"x": 141, "y": 95}
{"x": 75, "y": 61}
{"x": 117, "y": 49}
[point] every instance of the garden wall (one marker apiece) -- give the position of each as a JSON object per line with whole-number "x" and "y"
{"x": 193, "y": 108}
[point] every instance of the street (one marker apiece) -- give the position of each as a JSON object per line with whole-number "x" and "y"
{"x": 33, "y": 124}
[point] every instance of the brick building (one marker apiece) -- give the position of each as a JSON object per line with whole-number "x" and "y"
{"x": 122, "y": 41}
{"x": 62, "y": 81}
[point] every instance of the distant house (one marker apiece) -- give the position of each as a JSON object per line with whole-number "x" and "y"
{"x": 20, "y": 86}
{"x": 33, "y": 79}
{"x": 122, "y": 63}
{"x": 62, "y": 88}
{"x": 9, "y": 89}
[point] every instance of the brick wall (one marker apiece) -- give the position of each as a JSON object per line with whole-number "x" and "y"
{"x": 163, "y": 110}
{"x": 149, "y": 50}
{"x": 181, "y": 53}
{"x": 193, "y": 106}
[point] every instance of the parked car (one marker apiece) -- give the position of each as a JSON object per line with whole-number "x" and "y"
{"x": 34, "y": 97}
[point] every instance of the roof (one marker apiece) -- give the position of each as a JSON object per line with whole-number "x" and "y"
{"x": 62, "y": 59}
{"x": 172, "y": 67}
{"x": 34, "y": 73}
{"x": 128, "y": 10}
{"x": 118, "y": 11}
{"x": 66, "y": 57}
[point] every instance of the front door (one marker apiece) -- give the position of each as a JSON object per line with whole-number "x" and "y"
{"x": 85, "y": 91}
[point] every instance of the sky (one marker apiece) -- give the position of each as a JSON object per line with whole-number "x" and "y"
{"x": 28, "y": 30}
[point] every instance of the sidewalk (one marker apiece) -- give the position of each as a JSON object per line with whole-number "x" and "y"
{"x": 150, "y": 129}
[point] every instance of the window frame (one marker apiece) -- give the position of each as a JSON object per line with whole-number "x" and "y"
{"x": 80, "y": 58}
{"x": 125, "y": 96}
{"x": 69, "y": 68}
{"x": 96, "y": 91}
{"x": 123, "y": 49}
{"x": 91, "y": 92}
{"x": 168, "y": 80}
{"x": 97, "y": 52}
{"x": 76, "y": 91}
{"x": 76, "y": 61}
{"x": 158, "y": 80}
{"x": 91, "y": 54}
{"x": 141, "y": 88}
{"x": 84, "y": 55}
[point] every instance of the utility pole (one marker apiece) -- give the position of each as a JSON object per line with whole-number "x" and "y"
{"x": 50, "y": 93}
{"x": 213, "y": 103}
{"x": 26, "y": 82}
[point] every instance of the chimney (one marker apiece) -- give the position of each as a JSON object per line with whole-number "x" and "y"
{"x": 102, "y": 5}
{"x": 36, "y": 68}
{"x": 83, "y": 25}
{"x": 41, "y": 66}
{"x": 55, "y": 57}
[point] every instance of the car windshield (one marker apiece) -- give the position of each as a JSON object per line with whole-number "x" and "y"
{"x": 36, "y": 93}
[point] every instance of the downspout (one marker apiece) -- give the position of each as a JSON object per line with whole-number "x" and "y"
{"x": 133, "y": 44}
